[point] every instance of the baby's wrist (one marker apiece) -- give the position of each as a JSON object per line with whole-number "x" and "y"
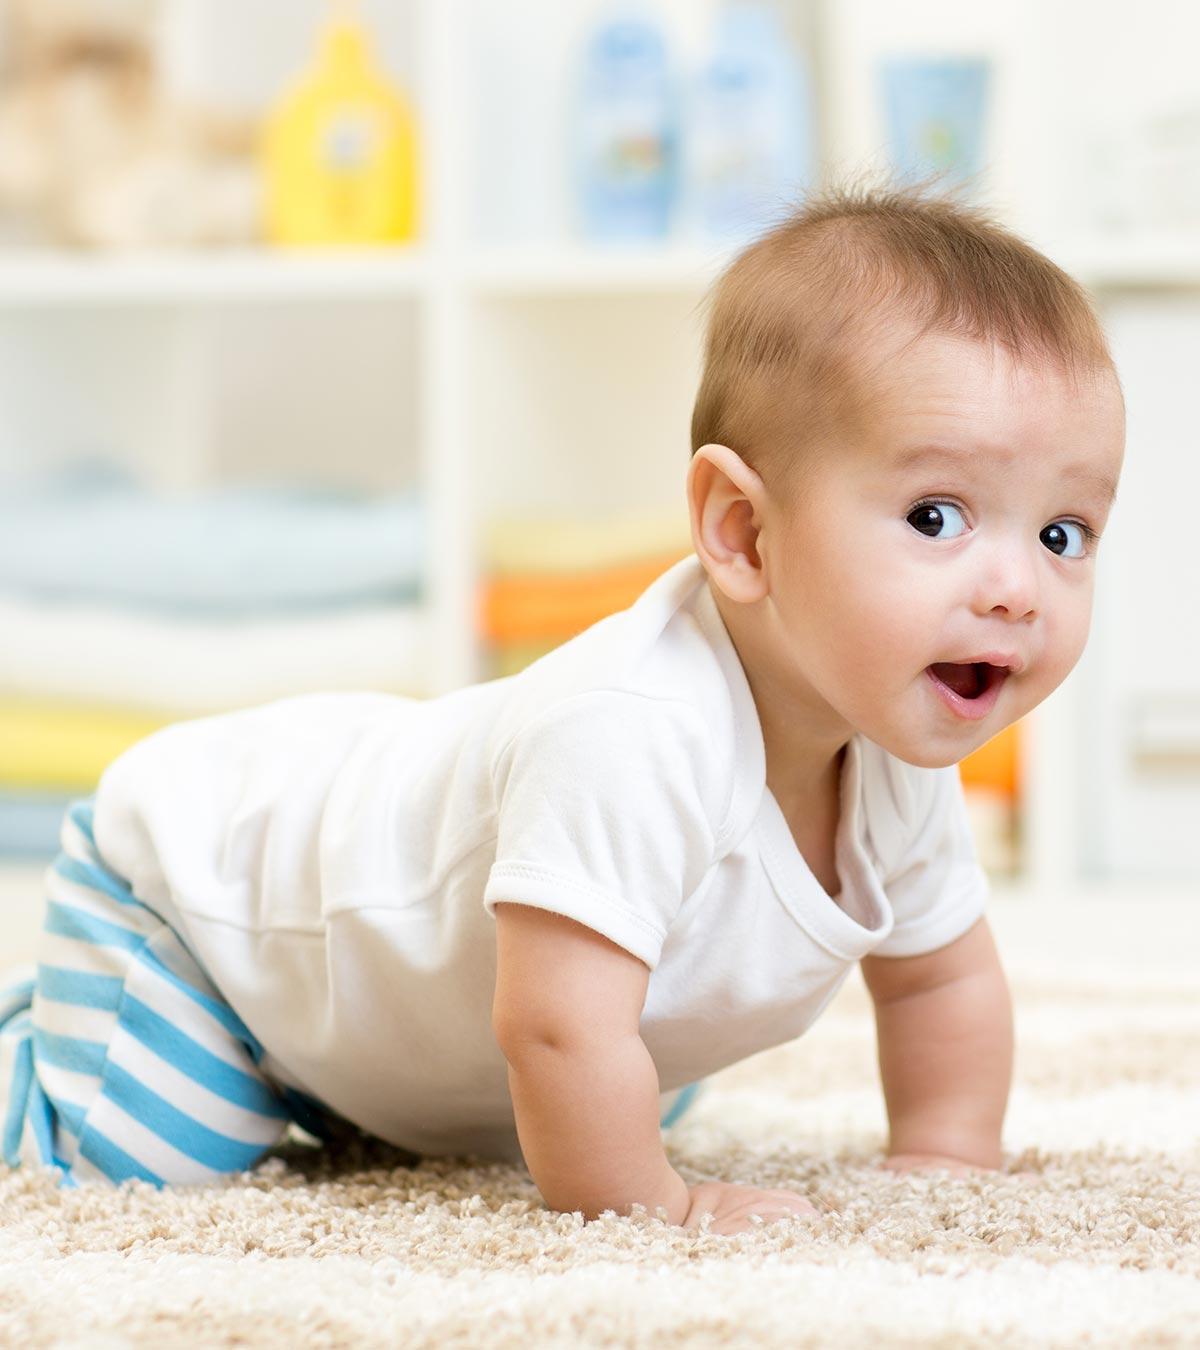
{"x": 671, "y": 1196}
{"x": 973, "y": 1142}
{"x": 677, "y": 1199}
{"x": 979, "y": 1154}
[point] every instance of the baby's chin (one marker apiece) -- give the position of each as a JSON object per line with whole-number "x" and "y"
{"x": 935, "y": 752}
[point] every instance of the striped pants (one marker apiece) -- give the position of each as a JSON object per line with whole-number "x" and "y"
{"x": 118, "y": 1057}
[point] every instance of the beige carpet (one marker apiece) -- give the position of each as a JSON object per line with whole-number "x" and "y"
{"x": 1091, "y": 1238}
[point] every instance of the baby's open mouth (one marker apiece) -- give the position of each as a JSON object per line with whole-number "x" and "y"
{"x": 970, "y": 679}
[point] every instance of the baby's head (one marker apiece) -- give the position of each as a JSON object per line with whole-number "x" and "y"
{"x": 905, "y": 447}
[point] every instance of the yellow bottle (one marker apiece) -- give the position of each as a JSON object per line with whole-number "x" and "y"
{"x": 340, "y": 150}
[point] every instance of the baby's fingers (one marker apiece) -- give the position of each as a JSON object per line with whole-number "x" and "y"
{"x": 792, "y": 1202}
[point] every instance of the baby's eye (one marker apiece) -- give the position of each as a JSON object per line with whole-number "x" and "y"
{"x": 1066, "y": 538}
{"x": 937, "y": 520}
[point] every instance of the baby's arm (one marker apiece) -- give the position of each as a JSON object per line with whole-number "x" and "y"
{"x": 944, "y": 1023}
{"x": 585, "y": 1091}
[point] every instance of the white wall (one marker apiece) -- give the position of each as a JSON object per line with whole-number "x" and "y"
{"x": 1140, "y": 739}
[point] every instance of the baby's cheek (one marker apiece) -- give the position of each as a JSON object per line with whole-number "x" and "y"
{"x": 907, "y": 605}
{"x": 871, "y": 621}
{"x": 1067, "y": 638}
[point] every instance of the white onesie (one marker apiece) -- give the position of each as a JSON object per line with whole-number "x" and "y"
{"x": 333, "y": 861}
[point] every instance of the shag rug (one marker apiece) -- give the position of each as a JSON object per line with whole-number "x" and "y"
{"x": 1089, "y": 1237}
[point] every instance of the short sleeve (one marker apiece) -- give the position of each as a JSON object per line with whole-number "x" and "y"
{"x": 934, "y": 883}
{"x": 603, "y": 817}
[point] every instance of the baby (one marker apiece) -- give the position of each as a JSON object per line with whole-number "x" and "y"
{"x": 528, "y": 917}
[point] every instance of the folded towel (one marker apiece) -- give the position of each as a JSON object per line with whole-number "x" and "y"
{"x": 539, "y": 607}
{"x": 63, "y": 748}
{"x": 228, "y": 552}
{"x": 536, "y": 545}
{"x": 92, "y": 655}
{"x": 30, "y": 825}
{"x": 508, "y": 659}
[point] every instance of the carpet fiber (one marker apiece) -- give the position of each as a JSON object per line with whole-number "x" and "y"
{"x": 1090, "y": 1236}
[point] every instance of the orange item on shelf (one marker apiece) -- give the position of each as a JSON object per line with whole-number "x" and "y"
{"x": 995, "y": 765}
{"x": 537, "y": 607}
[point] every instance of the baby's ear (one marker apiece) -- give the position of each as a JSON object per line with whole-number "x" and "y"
{"x": 725, "y": 500}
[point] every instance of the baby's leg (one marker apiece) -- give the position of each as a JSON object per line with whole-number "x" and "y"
{"x": 119, "y": 1058}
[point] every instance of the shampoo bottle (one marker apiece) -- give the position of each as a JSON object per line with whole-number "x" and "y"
{"x": 750, "y": 142}
{"x": 340, "y": 150}
{"x": 626, "y": 132}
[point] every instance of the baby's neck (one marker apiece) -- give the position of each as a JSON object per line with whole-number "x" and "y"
{"x": 803, "y": 737}
{"x": 813, "y": 822}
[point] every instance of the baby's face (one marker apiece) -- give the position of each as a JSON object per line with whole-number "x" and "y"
{"x": 933, "y": 580}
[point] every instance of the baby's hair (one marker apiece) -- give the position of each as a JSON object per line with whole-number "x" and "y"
{"x": 792, "y": 319}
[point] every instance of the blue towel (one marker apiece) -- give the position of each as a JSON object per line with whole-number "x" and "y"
{"x": 90, "y": 536}
{"x": 30, "y": 823}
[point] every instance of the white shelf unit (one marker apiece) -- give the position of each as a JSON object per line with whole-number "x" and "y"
{"x": 46, "y": 278}
{"x": 532, "y": 373}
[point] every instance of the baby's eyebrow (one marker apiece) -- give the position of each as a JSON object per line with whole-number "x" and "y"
{"x": 1104, "y": 485}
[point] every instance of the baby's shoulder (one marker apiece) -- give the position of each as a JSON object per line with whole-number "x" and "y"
{"x": 616, "y": 686}
{"x": 643, "y": 733}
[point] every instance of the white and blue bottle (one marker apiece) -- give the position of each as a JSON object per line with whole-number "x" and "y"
{"x": 750, "y": 135}
{"x": 626, "y": 143}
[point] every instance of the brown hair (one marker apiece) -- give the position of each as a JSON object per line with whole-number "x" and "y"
{"x": 786, "y": 343}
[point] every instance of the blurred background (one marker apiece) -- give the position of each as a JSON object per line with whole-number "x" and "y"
{"x": 354, "y": 346}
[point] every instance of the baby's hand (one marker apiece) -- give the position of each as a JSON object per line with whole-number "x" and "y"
{"x": 930, "y": 1162}
{"x": 732, "y": 1206}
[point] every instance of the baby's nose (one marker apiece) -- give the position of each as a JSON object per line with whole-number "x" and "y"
{"x": 1009, "y": 587}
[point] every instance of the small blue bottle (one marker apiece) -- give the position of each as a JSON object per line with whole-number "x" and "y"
{"x": 936, "y": 113}
{"x": 626, "y": 142}
{"x": 750, "y": 153}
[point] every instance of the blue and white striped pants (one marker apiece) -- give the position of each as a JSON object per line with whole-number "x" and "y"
{"x": 118, "y": 1057}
